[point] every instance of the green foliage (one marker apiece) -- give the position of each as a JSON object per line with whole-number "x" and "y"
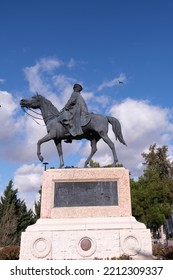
{"x": 10, "y": 253}
{"x": 25, "y": 218}
{"x": 14, "y": 217}
{"x": 94, "y": 164}
{"x": 122, "y": 257}
{"x": 37, "y": 206}
{"x": 157, "y": 159}
{"x": 8, "y": 225}
{"x": 152, "y": 194}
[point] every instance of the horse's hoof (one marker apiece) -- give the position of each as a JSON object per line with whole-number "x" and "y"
{"x": 41, "y": 158}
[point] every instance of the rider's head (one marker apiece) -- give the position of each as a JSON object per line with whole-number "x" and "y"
{"x": 77, "y": 87}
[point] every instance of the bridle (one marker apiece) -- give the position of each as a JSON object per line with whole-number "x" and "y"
{"x": 33, "y": 117}
{"x": 38, "y": 118}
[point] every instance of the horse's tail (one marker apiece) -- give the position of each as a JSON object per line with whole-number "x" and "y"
{"x": 116, "y": 127}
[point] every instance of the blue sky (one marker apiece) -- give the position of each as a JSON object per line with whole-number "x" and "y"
{"x": 47, "y": 46}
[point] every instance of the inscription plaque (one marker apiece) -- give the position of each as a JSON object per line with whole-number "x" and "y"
{"x": 73, "y": 194}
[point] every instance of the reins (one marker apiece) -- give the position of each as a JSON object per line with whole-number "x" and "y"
{"x": 33, "y": 117}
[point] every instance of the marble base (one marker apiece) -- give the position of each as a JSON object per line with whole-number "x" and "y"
{"x": 86, "y": 214}
{"x": 86, "y": 238}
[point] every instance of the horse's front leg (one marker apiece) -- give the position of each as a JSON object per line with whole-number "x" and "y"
{"x": 46, "y": 138}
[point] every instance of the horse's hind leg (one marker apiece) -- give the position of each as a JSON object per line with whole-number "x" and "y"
{"x": 108, "y": 141}
{"x": 93, "y": 151}
{"x": 59, "y": 149}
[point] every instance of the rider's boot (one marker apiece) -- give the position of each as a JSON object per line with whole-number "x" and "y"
{"x": 68, "y": 141}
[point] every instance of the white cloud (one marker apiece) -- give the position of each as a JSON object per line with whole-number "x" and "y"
{"x": 49, "y": 64}
{"x": 43, "y": 78}
{"x": 7, "y": 103}
{"x": 88, "y": 95}
{"x": 116, "y": 81}
{"x": 62, "y": 81}
{"x": 35, "y": 82}
{"x": 71, "y": 63}
{"x": 2, "y": 81}
{"x": 142, "y": 125}
{"x": 27, "y": 180}
{"x": 34, "y": 74}
{"x": 19, "y": 135}
{"x": 141, "y": 119}
{"x": 8, "y": 121}
{"x": 64, "y": 84}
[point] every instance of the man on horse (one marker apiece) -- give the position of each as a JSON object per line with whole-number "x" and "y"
{"x": 75, "y": 113}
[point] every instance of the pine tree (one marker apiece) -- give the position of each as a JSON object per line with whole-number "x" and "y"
{"x": 25, "y": 218}
{"x": 94, "y": 164}
{"x": 14, "y": 217}
{"x": 8, "y": 216}
{"x": 8, "y": 226}
{"x": 37, "y": 206}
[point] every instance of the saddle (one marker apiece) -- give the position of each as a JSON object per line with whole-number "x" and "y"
{"x": 85, "y": 119}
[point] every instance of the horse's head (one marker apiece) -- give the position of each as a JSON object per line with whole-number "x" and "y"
{"x": 40, "y": 102}
{"x": 33, "y": 102}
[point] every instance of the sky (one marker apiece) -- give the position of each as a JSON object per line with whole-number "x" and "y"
{"x": 47, "y": 46}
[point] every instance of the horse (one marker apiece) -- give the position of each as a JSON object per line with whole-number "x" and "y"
{"x": 95, "y": 130}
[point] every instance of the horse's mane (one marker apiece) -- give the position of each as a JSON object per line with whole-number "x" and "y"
{"x": 51, "y": 107}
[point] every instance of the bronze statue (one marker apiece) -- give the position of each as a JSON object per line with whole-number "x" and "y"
{"x": 75, "y": 113}
{"x": 74, "y": 122}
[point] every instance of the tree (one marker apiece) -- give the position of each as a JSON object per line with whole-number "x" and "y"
{"x": 25, "y": 218}
{"x": 37, "y": 206}
{"x": 14, "y": 217}
{"x": 94, "y": 164}
{"x": 152, "y": 194}
{"x": 8, "y": 217}
{"x": 8, "y": 225}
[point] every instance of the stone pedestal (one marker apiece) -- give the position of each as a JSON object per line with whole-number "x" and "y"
{"x": 86, "y": 214}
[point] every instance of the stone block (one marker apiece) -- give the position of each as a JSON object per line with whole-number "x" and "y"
{"x": 86, "y": 214}
{"x": 99, "y": 178}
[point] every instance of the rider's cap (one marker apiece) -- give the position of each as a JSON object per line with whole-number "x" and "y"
{"x": 77, "y": 87}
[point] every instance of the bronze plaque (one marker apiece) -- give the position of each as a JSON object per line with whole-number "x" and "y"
{"x": 75, "y": 194}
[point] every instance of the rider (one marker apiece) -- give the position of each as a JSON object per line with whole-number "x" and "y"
{"x": 75, "y": 113}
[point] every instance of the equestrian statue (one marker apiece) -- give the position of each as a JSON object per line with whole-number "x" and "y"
{"x": 73, "y": 122}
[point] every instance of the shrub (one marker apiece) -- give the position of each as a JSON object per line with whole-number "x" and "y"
{"x": 10, "y": 253}
{"x": 122, "y": 257}
{"x": 163, "y": 251}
